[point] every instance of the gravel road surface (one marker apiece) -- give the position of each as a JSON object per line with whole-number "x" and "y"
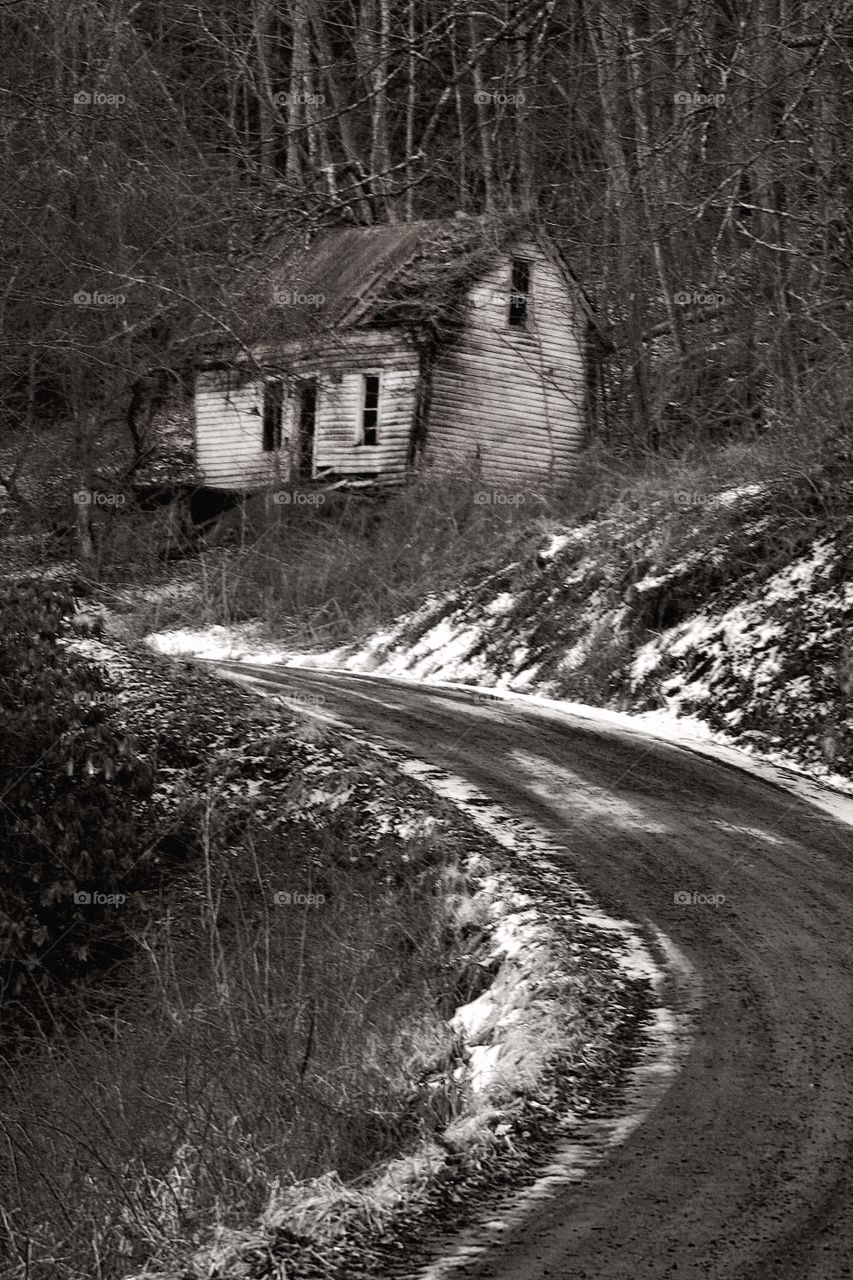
{"x": 745, "y": 1170}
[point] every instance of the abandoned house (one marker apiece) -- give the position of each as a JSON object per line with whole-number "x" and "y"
{"x": 449, "y": 342}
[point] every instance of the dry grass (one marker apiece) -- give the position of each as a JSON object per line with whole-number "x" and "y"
{"x": 318, "y": 575}
{"x": 262, "y": 1043}
{"x": 323, "y": 574}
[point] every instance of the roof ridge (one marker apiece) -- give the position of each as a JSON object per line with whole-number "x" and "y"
{"x": 349, "y": 276}
{"x": 388, "y": 275}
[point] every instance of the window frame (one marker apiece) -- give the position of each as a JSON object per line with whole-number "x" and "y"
{"x": 518, "y": 315}
{"x": 272, "y": 415}
{"x": 362, "y": 441}
{"x": 309, "y": 384}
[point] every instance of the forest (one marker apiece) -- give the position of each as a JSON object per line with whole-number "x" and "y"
{"x": 691, "y": 158}
{"x": 235, "y": 939}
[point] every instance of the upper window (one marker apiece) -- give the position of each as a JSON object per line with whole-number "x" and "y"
{"x": 370, "y": 408}
{"x": 273, "y": 401}
{"x": 519, "y": 293}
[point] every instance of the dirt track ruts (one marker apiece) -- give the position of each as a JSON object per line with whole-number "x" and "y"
{"x": 745, "y": 1170}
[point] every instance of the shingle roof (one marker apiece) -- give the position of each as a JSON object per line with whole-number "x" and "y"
{"x": 347, "y": 265}
{"x": 380, "y": 275}
{"x": 414, "y": 274}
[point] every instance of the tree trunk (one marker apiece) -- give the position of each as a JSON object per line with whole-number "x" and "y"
{"x": 337, "y": 100}
{"x": 651, "y": 186}
{"x": 461, "y": 130}
{"x": 774, "y": 320}
{"x": 297, "y": 90}
{"x": 480, "y": 100}
{"x": 621, "y": 222}
{"x": 523, "y": 133}
{"x": 411, "y": 98}
{"x": 380, "y": 155}
{"x": 83, "y": 432}
{"x": 266, "y": 109}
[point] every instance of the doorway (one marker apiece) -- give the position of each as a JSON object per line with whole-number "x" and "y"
{"x": 307, "y": 428}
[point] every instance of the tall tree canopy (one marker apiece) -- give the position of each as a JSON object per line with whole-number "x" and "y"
{"x": 691, "y": 156}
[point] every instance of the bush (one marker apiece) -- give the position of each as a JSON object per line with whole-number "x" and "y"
{"x": 73, "y": 812}
{"x": 329, "y": 571}
{"x": 269, "y": 1037}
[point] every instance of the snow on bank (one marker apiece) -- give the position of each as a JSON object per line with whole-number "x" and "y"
{"x": 689, "y": 632}
{"x": 237, "y": 643}
{"x": 496, "y": 1024}
{"x": 733, "y": 497}
{"x": 832, "y": 792}
{"x": 742, "y": 630}
{"x": 521, "y": 940}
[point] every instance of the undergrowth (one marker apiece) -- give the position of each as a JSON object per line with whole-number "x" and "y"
{"x": 288, "y": 964}
{"x": 264, "y": 1040}
{"x": 324, "y": 571}
{"x": 336, "y": 567}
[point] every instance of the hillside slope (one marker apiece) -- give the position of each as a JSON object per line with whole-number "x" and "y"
{"x": 734, "y": 611}
{"x": 730, "y": 609}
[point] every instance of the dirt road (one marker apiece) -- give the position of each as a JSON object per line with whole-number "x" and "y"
{"x": 745, "y": 1170}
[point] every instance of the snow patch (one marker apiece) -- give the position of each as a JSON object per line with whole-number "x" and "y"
{"x": 501, "y": 604}
{"x": 731, "y": 497}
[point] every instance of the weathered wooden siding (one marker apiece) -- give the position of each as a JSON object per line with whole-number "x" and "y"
{"x": 339, "y": 369}
{"x": 229, "y": 434}
{"x": 516, "y": 395}
{"x": 229, "y": 422}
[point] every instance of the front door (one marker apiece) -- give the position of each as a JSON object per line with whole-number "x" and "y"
{"x": 307, "y": 425}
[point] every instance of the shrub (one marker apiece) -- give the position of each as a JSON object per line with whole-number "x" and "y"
{"x": 72, "y": 818}
{"x": 335, "y": 569}
{"x": 268, "y": 1038}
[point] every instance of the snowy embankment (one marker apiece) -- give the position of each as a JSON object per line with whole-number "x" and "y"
{"x": 724, "y": 626}
{"x": 552, "y": 990}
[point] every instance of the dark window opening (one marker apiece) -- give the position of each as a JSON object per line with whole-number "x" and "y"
{"x": 273, "y": 401}
{"x": 370, "y": 409}
{"x": 307, "y": 427}
{"x": 519, "y": 293}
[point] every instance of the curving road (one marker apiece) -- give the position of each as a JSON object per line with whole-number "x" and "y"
{"x": 745, "y": 1170}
